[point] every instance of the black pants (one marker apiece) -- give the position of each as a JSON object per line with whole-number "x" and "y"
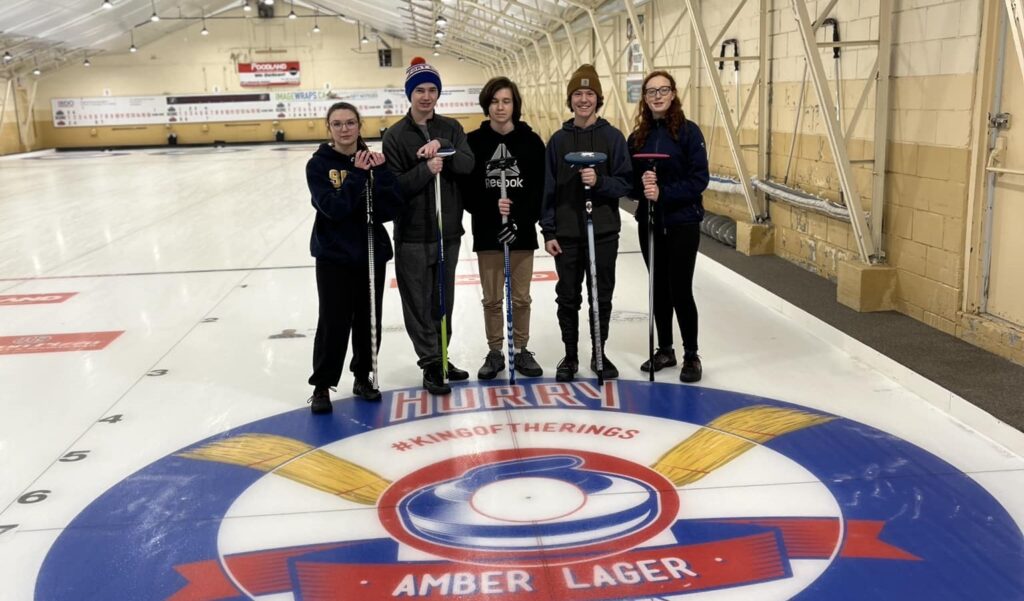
{"x": 416, "y": 266}
{"x": 675, "y": 255}
{"x": 573, "y": 266}
{"x": 344, "y": 293}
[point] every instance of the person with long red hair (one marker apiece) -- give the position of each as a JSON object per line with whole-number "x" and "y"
{"x": 672, "y": 190}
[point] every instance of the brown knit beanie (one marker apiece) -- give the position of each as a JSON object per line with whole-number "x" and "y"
{"x": 584, "y": 77}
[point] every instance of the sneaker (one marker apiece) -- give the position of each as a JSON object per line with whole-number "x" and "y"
{"x": 691, "y": 371}
{"x": 567, "y": 368}
{"x": 320, "y": 402}
{"x": 455, "y": 374}
{"x": 610, "y": 372}
{"x": 663, "y": 357}
{"x": 527, "y": 365}
{"x": 494, "y": 362}
{"x": 433, "y": 380}
{"x": 363, "y": 388}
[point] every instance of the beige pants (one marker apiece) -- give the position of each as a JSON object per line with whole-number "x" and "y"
{"x": 492, "y": 280}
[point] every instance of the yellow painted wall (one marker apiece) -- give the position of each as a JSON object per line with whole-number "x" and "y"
{"x": 185, "y": 62}
{"x": 9, "y": 141}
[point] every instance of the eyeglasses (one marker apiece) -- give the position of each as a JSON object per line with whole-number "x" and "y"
{"x": 345, "y": 124}
{"x": 655, "y": 92}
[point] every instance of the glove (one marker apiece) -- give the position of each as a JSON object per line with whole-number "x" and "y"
{"x": 507, "y": 233}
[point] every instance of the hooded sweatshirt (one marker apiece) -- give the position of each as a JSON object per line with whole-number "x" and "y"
{"x": 417, "y": 221}
{"x": 524, "y": 185}
{"x": 338, "y": 192}
{"x": 562, "y": 211}
{"x": 682, "y": 177}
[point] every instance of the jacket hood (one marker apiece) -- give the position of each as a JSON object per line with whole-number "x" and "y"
{"x": 570, "y": 126}
{"x": 521, "y": 128}
{"x": 326, "y": 151}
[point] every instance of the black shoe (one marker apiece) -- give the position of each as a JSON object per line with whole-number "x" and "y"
{"x": 455, "y": 374}
{"x": 663, "y": 357}
{"x": 527, "y": 365}
{"x": 691, "y": 371}
{"x": 320, "y": 402}
{"x": 494, "y": 362}
{"x": 567, "y": 368}
{"x": 363, "y": 388}
{"x": 433, "y": 380}
{"x": 610, "y": 372}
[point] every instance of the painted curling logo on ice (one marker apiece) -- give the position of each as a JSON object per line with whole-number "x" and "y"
{"x": 539, "y": 492}
{"x": 547, "y": 505}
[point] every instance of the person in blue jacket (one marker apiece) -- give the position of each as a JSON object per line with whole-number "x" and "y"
{"x": 563, "y": 221}
{"x": 337, "y": 175}
{"x": 673, "y": 191}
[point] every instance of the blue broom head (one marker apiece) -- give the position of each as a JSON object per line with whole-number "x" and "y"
{"x": 585, "y": 159}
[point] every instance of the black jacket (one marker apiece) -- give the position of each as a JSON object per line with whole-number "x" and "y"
{"x": 417, "y": 221}
{"x": 524, "y": 185}
{"x": 682, "y": 178}
{"x": 338, "y": 192}
{"x": 562, "y": 211}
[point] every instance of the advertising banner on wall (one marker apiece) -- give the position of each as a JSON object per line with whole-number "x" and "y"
{"x": 282, "y": 73}
{"x": 247, "y": 106}
{"x": 109, "y": 110}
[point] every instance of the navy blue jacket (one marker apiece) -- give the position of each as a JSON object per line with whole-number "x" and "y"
{"x": 682, "y": 178}
{"x": 562, "y": 211}
{"x": 524, "y": 185}
{"x": 338, "y": 193}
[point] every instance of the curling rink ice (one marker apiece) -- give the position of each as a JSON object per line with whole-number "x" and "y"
{"x": 157, "y": 311}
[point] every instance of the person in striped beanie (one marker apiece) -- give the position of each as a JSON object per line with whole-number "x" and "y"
{"x": 421, "y": 72}
{"x": 411, "y": 146}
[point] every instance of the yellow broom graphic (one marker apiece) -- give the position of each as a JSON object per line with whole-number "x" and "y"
{"x": 725, "y": 438}
{"x": 296, "y": 461}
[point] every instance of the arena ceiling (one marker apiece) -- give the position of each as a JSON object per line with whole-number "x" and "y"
{"x": 50, "y": 32}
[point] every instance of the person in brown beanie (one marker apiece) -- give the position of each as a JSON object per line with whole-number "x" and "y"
{"x": 562, "y": 215}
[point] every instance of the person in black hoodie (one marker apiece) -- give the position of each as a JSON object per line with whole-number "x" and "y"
{"x": 674, "y": 190}
{"x": 505, "y": 136}
{"x": 337, "y": 175}
{"x": 411, "y": 146}
{"x": 562, "y": 216}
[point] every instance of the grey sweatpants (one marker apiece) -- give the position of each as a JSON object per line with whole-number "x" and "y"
{"x": 416, "y": 269}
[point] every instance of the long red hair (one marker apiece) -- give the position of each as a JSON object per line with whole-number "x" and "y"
{"x": 675, "y": 118}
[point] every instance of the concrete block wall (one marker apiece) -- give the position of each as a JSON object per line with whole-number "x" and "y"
{"x": 811, "y": 240}
{"x": 936, "y": 45}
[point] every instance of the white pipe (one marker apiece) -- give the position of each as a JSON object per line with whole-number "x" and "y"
{"x": 793, "y": 196}
{"x": 990, "y": 179}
